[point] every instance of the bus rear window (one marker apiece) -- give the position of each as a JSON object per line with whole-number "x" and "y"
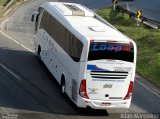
{"x": 113, "y": 51}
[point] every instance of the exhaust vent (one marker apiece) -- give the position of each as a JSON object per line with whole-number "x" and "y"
{"x": 75, "y": 10}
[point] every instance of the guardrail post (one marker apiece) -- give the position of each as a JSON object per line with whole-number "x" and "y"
{"x": 131, "y": 15}
{"x": 158, "y": 27}
{"x": 142, "y": 20}
{"x": 138, "y": 21}
{"x": 122, "y": 12}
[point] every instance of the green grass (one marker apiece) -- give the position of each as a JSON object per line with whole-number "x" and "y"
{"x": 147, "y": 40}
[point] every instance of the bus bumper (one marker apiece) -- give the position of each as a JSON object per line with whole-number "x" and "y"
{"x": 99, "y": 104}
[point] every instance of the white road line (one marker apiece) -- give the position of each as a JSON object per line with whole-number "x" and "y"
{"x": 17, "y": 42}
{"x": 2, "y": 25}
{"x": 8, "y": 70}
{"x": 140, "y": 83}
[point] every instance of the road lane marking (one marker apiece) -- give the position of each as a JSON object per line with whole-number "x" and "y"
{"x": 17, "y": 42}
{"x": 140, "y": 83}
{"x": 9, "y": 71}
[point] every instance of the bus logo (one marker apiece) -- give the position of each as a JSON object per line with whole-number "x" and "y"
{"x": 107, "y": 86}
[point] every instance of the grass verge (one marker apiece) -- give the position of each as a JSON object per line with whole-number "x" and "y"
{"x": 147, "y": 40}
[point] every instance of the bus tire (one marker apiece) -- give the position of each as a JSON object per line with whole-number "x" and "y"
{"x": 39, "y": 52}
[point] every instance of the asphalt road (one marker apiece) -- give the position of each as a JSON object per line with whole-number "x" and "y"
{"x": 27, "y": 87}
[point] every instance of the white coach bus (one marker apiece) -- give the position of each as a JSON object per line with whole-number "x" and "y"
{"x": 92, "y": 61}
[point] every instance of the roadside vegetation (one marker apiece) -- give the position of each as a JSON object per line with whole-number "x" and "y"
{"x": 4, "y": 3}
{"x": 147, "y": 40}
{"x": 1, "y": 6}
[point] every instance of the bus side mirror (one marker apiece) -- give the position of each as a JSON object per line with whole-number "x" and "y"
{"x": 33, "y": 17}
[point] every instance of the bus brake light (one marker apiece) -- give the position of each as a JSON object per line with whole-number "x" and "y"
{"x": 130, "y": 90}
{"x": 91, "y": 41}
{"x": 82, "y": 91}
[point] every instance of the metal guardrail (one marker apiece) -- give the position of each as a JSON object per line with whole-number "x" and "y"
{"x": 149, "y": 22}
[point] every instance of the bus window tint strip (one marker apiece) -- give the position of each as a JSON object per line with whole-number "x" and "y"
{"x": 114, "y": 51}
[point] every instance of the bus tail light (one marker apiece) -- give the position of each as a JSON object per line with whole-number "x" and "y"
{"x": 130, "y": 90}
{"x": 82, "y": 91}
{"x": 91, "y": 41}
{"x": 131, "y": 43}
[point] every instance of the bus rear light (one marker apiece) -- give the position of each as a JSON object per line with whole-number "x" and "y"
{"x": 130, "y": 90}
{"x": 82, "y": 91}
{"x": 130, "y": 43}
{"x": 91, "y": 41}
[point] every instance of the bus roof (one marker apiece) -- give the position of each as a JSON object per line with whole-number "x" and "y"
{"x": 79, "y": 18}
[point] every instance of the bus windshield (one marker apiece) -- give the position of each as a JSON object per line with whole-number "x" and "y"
{"x": 112, "y": 51}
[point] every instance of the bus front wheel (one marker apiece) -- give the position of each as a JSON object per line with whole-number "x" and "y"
{"x": 39, "y": 52}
